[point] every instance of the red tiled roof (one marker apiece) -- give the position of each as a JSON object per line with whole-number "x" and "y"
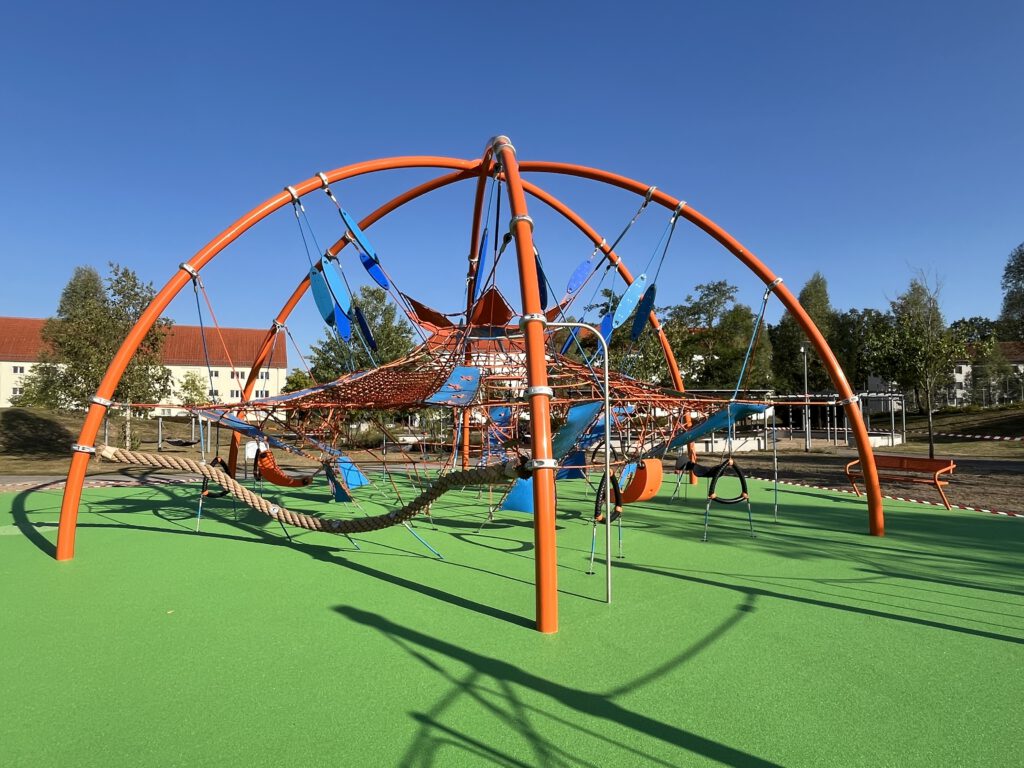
{"x": 1013, "y": 351}
{"x": 21, "y": 341}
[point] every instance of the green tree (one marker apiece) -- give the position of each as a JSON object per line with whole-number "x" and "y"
{"x": 710, "y": 334}
{"x": 788, "y": 337}
{"x": 990, "y": 371}
{"x": 331, "y": 357}
{"x": 918, "y": 350}
{"x": 193, "y": 390}
{"x": 93, "y": 318}
{"x": 974, "y": 330}
{"x": 297, "y": 379}
{"x": 1011, "y": 319}
{"x": 851, "y": 340}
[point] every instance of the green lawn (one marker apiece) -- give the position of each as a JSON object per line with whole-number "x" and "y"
{"x": 811, "y": 645}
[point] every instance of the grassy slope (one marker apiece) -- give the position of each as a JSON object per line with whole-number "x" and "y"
{"x": 811, "y": 645}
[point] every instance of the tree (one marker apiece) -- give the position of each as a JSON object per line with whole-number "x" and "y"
{"x": 1011, "y": 319}
{"x": 710, "y": 334}
{"x": 989, "y": 370}
{"x": 788, "y": 337}
{"x": 193, "y": 390}
{"x": 974, "y": 330}
{"x": 93, "y": 318}
{"x": 331, "y": 357}
{"x": 851, "y": 340}
{"x": 918, "y": 351}
{"x": 297, "y": 379}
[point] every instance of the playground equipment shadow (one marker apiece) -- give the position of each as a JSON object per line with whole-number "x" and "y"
{"x": 811, "y": 644}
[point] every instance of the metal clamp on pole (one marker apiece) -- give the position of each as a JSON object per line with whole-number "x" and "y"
{"x": 83, "y": 448}
{"x": 101, "y": 401}
{"x": 278, "y": 326}
{"x": 498, "y": 143}
{"x": 649, "y": 194}
{"x": 542, "y": 391}
{"x": 850, "y": 399}
{"x": 190, "y": 269}
{"x": 516, "y": 219}
{"x": 534, "y": 464}
{"x": 678, "y": 210}
{"x": 533, "y": 317}
{"x": 323, "y": 180}
{"x": 295, "y": 195}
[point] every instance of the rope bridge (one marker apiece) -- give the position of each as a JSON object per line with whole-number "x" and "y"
{"x": 480, "y": 476}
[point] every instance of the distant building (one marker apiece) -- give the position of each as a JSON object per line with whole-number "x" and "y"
{"x": 1013, "y": 351}
{"x": 230, "y": 350}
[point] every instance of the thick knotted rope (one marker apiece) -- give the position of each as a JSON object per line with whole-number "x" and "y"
{"x": 481, "y": 476}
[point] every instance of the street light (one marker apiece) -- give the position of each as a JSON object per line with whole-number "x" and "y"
{"x": 807, "y": 407}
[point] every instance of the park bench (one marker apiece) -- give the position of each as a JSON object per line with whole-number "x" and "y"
{"x": 908, "y": 469}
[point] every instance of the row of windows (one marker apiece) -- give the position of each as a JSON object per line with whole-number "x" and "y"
{"x": 235, "y": 374}
{"x": 236, "y": 394}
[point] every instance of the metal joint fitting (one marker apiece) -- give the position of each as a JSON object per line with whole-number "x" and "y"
{"x": 78, "y": 448}
{"x": 535, "y": 464}
{"x": 498, "y": 143}
{"x": 278, "y": 326}
{"x": 291, "y": 191}
{"x": 649, "y": 194}
{"x": 190, "y": 269}
{"x": 678, "y": 209}
{"x": 541, "y": 391}
{"x": 774, "y": 283}
{"x": 850, "y": 399}
{"x": 101, "y": 401}
{"x": 533, "y": 317}
{"x": 323, "y": 180}
{"x": 516, "y": 219}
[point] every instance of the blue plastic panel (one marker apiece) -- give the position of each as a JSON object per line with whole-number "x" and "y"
{"x": 459, "y": 389}
{"x": 643, "y": 312}
{"x": 629, "y": 300}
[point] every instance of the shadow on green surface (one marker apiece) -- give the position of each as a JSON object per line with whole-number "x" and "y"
{"x": 505, "y": 705}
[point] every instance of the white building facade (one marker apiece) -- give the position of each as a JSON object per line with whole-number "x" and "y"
{"x": 230, "y": 351}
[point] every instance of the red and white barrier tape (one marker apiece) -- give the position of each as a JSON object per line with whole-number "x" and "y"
{"x": 896, "y": 498}
{"x": 970, "y": 437}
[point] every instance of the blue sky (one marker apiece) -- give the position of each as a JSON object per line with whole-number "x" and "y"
{"x": 864, "y": 140}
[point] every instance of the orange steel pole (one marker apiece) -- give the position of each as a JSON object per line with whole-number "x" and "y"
{"x": 538, "y": 392}
{"x": 876, "y": 515}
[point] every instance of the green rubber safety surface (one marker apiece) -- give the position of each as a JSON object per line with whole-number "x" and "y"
{"x": 810, "y": 645}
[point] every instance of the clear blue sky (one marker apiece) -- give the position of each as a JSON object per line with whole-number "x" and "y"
{"x": 865, "y": 140}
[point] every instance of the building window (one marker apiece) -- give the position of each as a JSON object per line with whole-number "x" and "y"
{"x": 215, "y": 373}
{"x": 959, "y": 369}
{"x": 264, "y": 374}
{"x": 214, "y": 393}
{"x": 262, "y": 393}
{"x": 235, "y": 394}
{"x": 19, "y": 369}
{"x": 238, "y": 375}
{"x": 16, "y": 391}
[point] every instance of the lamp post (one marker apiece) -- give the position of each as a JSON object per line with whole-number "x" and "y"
{"x": 807, "y": 408}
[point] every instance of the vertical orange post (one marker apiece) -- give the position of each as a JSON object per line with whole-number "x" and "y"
{"x": 538, "y": 392}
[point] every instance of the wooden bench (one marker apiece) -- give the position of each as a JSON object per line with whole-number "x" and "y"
{"x": 908, "y": 469}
